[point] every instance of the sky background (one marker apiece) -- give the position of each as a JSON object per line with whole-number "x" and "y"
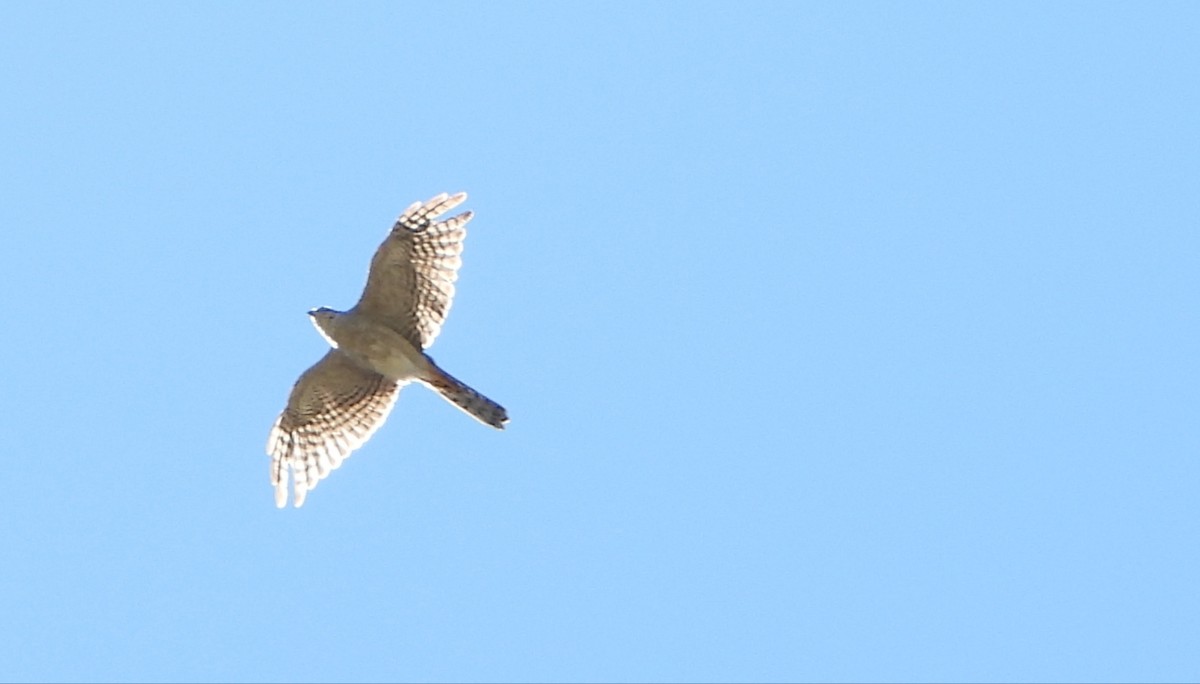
{"x": 841, "y": 341}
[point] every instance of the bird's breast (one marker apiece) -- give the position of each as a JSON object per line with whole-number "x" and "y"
{"x": 385, "y": 351}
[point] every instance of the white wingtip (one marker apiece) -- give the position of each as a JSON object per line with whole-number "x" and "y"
{"x": 281, "y": 493}
{"x": 411, "y": 208}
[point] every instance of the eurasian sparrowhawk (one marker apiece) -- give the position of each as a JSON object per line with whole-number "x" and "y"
{"x": 378, "y": 346}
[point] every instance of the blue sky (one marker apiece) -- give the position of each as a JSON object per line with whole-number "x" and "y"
{"x": 841, "y": 341}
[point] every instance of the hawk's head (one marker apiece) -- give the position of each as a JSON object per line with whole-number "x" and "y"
{"x": 324, "y": 318}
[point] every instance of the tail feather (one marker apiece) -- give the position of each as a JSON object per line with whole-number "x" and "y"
{"x": 471, "y": 402}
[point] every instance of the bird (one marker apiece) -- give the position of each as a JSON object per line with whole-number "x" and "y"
{"x": 377, "y": 347}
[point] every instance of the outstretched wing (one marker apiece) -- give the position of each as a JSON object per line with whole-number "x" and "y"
{"x": 411, "y": 282}
{"x": 333, "y": 409}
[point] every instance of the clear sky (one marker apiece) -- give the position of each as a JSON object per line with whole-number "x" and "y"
{"x": 841, "y": 341}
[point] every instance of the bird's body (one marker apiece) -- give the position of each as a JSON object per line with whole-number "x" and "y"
{"x": 339, "y": 402}
{"x": 373, "y": 345}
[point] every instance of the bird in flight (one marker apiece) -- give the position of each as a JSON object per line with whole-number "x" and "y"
{"x": 377, "y": 348}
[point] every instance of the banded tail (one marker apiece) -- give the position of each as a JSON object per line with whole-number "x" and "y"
{"x": 471, "y": 402}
